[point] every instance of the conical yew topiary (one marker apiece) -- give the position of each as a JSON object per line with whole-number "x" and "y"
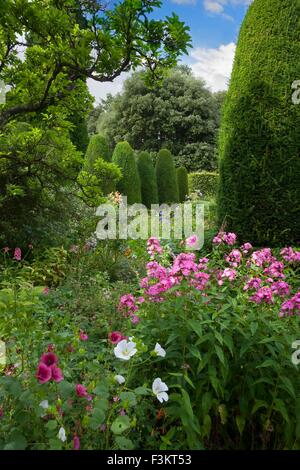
{"x": 182, "y": 183}
{"x": 259, "y": 193}
{"x": 166, "y": 178}
{"x": 148, "y": 179}
{"x": 129, "y": 185}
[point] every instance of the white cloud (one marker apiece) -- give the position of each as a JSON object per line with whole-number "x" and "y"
{"x": 218, "y": 6}
{"x": 100, "y": 90}
{"x": 184, "y": 2}
{"x": 214, "y": 65}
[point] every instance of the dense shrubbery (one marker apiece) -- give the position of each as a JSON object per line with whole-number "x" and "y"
{"x": 204, "y": 182}
{"x": 260, "y": 139}
{"x": 207, "y": 363}
{"x": 166, "y": 177}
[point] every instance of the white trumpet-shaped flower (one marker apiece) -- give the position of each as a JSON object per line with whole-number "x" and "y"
{"x": 159, "y": 350}
{"x": 44, "y": 404}
{"x": 120, "y": 379}
{"x": 160, "y": 389}
{"x": 125, "y": 349}
{"x": 62, "y": 434}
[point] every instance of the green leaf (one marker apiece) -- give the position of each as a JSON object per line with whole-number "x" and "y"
{"x": 120, "y": 424}
{"x": 129, "y": 398}
{"x": 240, "y": 421}
{"x": 123, "y": 443}
{"x": 16, "y": 441}
{"x": 51, "y": 425}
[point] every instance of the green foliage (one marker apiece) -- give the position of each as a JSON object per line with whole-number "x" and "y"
{"x": 148, "y": 179}
{"x": 42, "y": 122}
{"x": 182, "y": 183}
{"x": 260, "y": 139}
{"x": 129, "y": 185}
{"x": 166, "y": 177}
{"x": 97, "y": 148}
{"x": 179, "y": 114}
{"x": 204, "y": 182}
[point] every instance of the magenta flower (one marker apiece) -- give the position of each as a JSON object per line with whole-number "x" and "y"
{"x": 76, "y": 443}
{"x": 115, "y": 337}
{"x": 135, "y": 319}
{"x": 1, "y": 413}
{"x": 83, "y": 336}
{"x": 18, "y": 254}
{"x": 49, "y": 358}
{"x": 57, "y": 375}
{"x": 192, "y": 241}
{"x": 246, "y": 247}
{"x": 81, "y": 391}
{"x": 44, "y": 373}
{"x": 46, "y": 291}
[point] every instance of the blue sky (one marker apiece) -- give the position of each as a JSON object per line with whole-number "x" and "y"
{"x": 214, "y": 26}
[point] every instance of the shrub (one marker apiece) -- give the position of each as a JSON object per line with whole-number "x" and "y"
{"x": 166, "y": 177}
{"x": 98, "y": 147}
{"x": 182, "y": 182}
{"x": 205, "y": 182}
{"x": 129, "y": 185}
{"x": 260, "y": 138}
{"x": 148, "y": 179}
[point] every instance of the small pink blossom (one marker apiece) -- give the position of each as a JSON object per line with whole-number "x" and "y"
{"x": 253, "y": 283}
{"x": 246, "y": 247}
{"x": 192, "y": 241}
{"x": 44, "y": 373}
{"x": 18, "y": 254}
{"x": 115, "y": 337}
{"x": 81, "y": 391}
{"x": 46, "y": 291}
{"x": 57, "y": 375}
{"x": 76, "y": 443}
{"x": 264, "y": 294}
{"x": 153, "y": 247}
{"x": 135, "y": 319}
{"x": 49, "y": 359}
{"x": 234, "y": 258}
{"x": 83, "y": 336}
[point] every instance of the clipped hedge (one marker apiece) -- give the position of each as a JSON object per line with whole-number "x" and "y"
{"x": 182, "y": 183}
{"x": 98, "y": 147}
{"x": 129, "y": 185}
{"x": 259, "y": 138}
{"x": 166, "y": 178}
{"x": 148, "y": 179}
{"x": 206, "y": 182}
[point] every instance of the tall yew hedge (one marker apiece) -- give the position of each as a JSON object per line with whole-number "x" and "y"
{"x": 166, "y": 177}
{"x": 129, "y": 185}
{"x": 182, "y": 183}
{"x": 259, "y": 192}
{"x": 148, "y": 179}
{"x": 97, "y": 147}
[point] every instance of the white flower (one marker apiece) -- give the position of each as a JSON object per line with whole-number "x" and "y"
{"x": 44, "y": 404}
{"x": 120, "y": 379}
{"x": 125, "y": 349}
{"x": 159, "y": 389}
{"x": 62, "y": 434}
{"x": 159, "y": 350}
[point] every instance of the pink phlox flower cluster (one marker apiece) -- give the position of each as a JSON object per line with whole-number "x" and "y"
{"x": 264, "y": 294}
{"x": 290, "y": 255}
{"x": 228, "y": 238}
{"x": 262, "y": 257}
{"x": 153, "y": 247}
{"x": 291, "y": 306}
{"x": 184, "y": 264}
{"x": 280, "y": 288}
{"x": 202, "y": 264}
{"x": 128, "y": 305}
{"x": 275, "y": 270}
{"x": 18, "y": 254}
{"x": 234, "y": 258}
{"x": 200, "y": 280}
{"x": 228, "y": 273}
{"x": 253, "y": 283}
{"x": 246, "y": 247}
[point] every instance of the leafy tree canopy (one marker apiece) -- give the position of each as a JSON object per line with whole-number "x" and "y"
{"x": 180, "y": 113}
